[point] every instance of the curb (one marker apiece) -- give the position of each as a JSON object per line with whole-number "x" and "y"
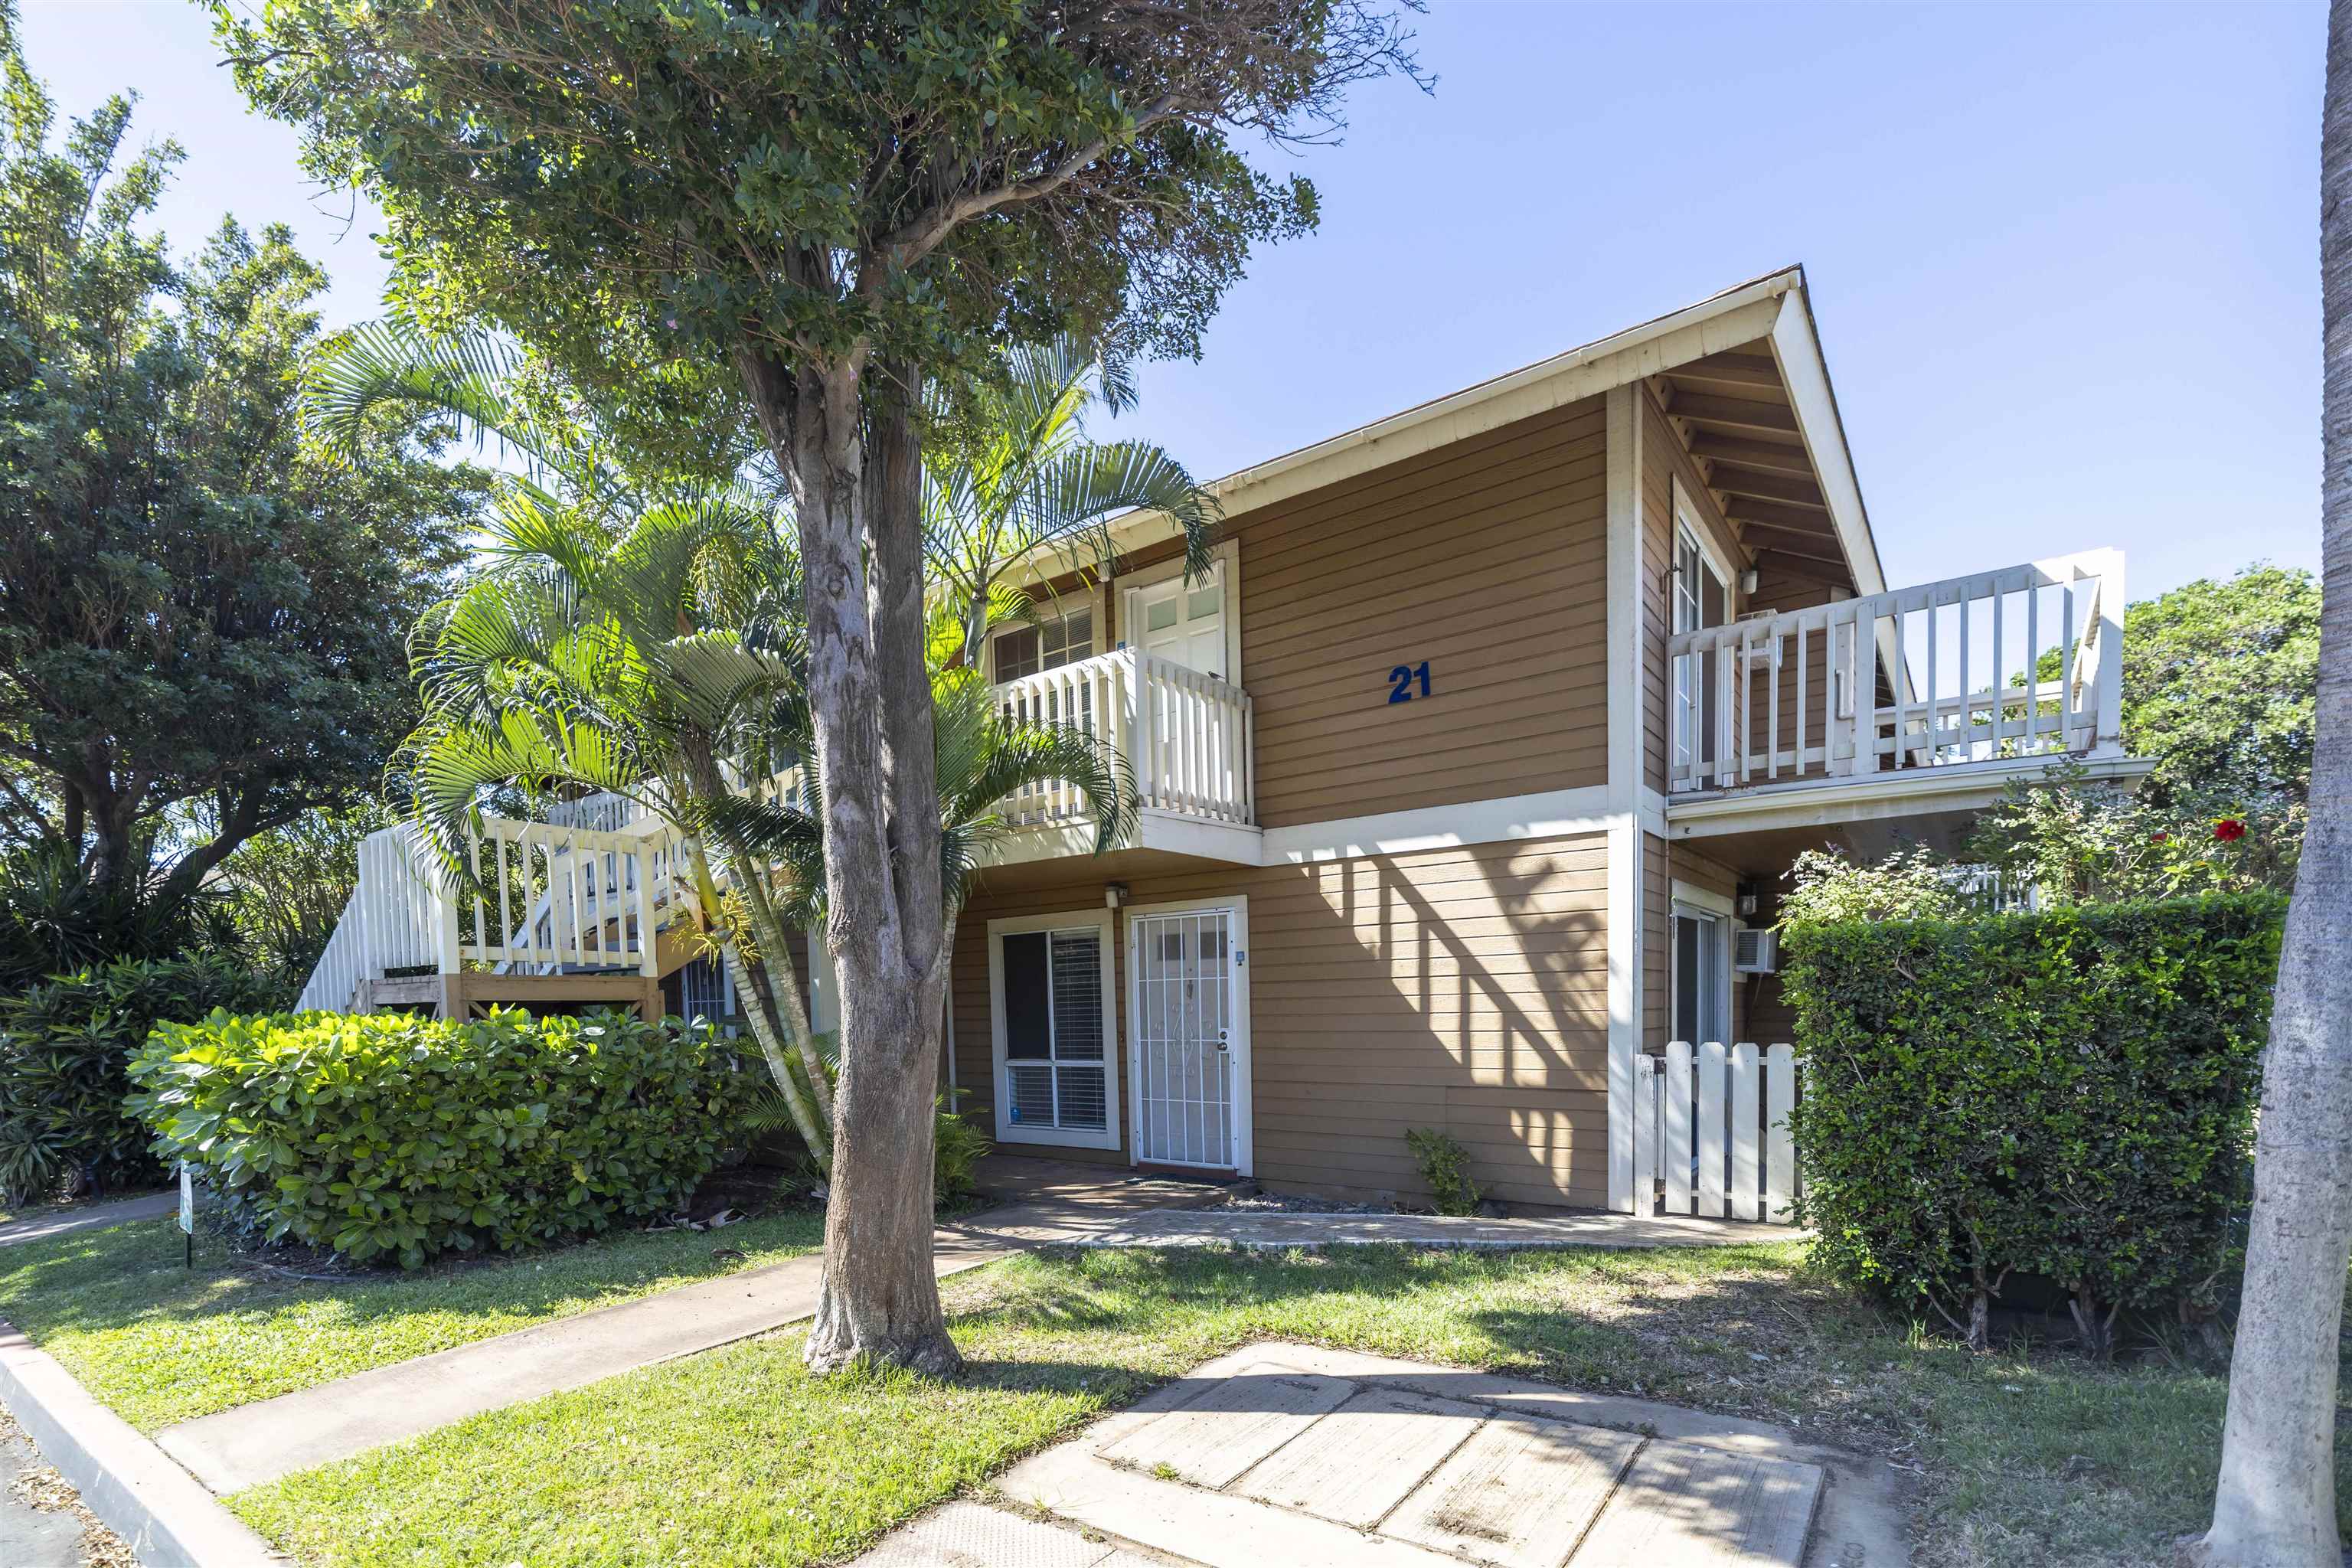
{"x": 162, "y": 1512}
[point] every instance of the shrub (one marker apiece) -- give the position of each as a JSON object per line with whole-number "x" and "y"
{"x": 384, "y": 1134}
{"x": 1444, "y": 1168}
{"x": 2068, "y": 1094}
{"x": 957, "y": 1149}
{"x": 55, "y": 921}
{"x": 65, "y": 1047}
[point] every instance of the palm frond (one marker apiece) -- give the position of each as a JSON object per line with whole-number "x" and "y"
{"x": 467, "y": 376}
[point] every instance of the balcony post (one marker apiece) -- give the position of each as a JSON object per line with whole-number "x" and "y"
{"x": 442, "y": 890}
{"x": 1136, "y": 703}
{"x": 2108, "y": 741}
{"x": 648, "y": 957}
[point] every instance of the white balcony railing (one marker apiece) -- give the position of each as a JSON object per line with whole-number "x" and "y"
{"x": 591, "y": 887}
{"x": 2022, "y": 662}
{"x": 1186, "y": 736}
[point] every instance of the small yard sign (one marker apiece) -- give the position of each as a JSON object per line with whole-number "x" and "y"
{"x": 188, "y": 1211}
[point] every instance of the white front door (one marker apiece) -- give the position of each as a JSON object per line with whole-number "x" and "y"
{"x": 1189, "y": 1038}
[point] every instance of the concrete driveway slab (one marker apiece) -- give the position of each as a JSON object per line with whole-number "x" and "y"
{"x": 1341, "y": 1460}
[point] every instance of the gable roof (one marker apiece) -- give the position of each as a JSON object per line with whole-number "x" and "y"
{"x": 1773, "y": 307}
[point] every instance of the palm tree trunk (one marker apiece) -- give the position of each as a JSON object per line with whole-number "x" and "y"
{"x": 2276, "y": 1503}
{"x": 754, "y": 986}
{"x": 768, "y": 931}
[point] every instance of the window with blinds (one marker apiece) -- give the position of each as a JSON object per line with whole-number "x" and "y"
{"x": 1056, "y": 1031}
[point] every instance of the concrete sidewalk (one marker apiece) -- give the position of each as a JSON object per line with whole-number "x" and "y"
{"x": 252, "y": 1443}
{"x": 93, "y": 1217}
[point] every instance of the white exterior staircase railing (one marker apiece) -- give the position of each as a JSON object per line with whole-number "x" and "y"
{"x": 592, "y": 888}
{"x": 1917, "y": 678}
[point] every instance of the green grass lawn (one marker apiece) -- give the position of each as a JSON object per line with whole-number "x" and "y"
{"x": 163, "y": 1344}
{"x": 2020, "y": 1460}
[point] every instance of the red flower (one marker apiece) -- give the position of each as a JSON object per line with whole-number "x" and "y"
{"x": 2228, "y": 829}
{"x": 2158, "y": 837}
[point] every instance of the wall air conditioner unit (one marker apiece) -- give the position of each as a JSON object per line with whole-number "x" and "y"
{"x": 1757, "y": 951}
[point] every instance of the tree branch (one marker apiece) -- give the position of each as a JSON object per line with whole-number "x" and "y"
{"x": 911, "y": 243}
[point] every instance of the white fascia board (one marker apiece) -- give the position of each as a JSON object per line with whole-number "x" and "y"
{"x": 1910, "y": 792}
{"x": 1180, "y": 834}
{"x": 1805, "y": 374}
{"x": 1553, "y": 814}
{"x": 1737, "y": 316}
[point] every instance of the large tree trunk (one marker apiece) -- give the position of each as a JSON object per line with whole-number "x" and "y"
{"x": 861, "y": 549}
{"x": 2276, "y": 1504}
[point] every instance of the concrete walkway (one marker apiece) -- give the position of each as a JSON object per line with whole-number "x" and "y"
{"x": 252, "y": 1443}
{"x": 92, "y": 1217}
{"x": 1273, "y": 1230}
{"x": 1312, "y": 1457}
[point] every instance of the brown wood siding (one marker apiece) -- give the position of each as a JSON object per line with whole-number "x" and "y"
{"x": 1486, "y": 558}
{"x": 1664, "y": 459}
{"x": 1464, "y": 988}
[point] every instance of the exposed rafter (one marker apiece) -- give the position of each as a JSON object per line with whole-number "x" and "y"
{"x": 1801, "y": 520}
{"x": 1733, "y": 413}
{"x": 1768, "y": 536}
{"x": 1771, "y": 455}
{"x": 1732, "y": 479}
{"x": 1743, "y": 374}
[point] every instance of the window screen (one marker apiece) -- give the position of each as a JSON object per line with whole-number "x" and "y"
{"x": 1055, "y": 1030}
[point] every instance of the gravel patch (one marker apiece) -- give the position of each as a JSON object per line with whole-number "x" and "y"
{"x": 1274, "y": 1203}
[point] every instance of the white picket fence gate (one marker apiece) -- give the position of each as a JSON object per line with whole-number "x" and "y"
{"x": 1711, "y": 1131}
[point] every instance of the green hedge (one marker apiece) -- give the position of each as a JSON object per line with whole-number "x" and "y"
{"x": 65, "y": 1047}
{"x": 389, "y": 1135}
{"x": 2067, "y": 1095}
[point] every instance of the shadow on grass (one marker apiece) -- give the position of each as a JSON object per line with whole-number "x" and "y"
{"x": 105, "y": 1280}
{"x": 2028, "y": 1457}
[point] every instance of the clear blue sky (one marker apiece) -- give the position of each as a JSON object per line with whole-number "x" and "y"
{"x": 2064, "y": 257}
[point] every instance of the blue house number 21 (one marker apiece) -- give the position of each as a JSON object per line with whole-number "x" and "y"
{"x": 1404, "y": 677}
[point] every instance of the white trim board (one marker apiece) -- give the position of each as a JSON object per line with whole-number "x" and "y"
{"x": 1628, "y": 775}
{"x": 1737, "y": 316}
{"x": 1097, "y": 919}
{"x": 1698, "y": 898}
{"x": 1551, "y": 814}
{"x": 1805, "y": 374}
{"x": 1873, "y": 797}
{"x": 1244, "y": 1104}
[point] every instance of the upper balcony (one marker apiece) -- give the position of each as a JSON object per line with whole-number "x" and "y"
{"x": 1919, "y": 699}
{"x": 1185, "y": 740}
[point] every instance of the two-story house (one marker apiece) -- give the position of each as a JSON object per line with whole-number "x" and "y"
{"x": 1496, "y": 724}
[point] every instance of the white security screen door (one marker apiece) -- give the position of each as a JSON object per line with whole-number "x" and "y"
{"x": 1182, "y": 623}
{"x": 1187, "y": 1036}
